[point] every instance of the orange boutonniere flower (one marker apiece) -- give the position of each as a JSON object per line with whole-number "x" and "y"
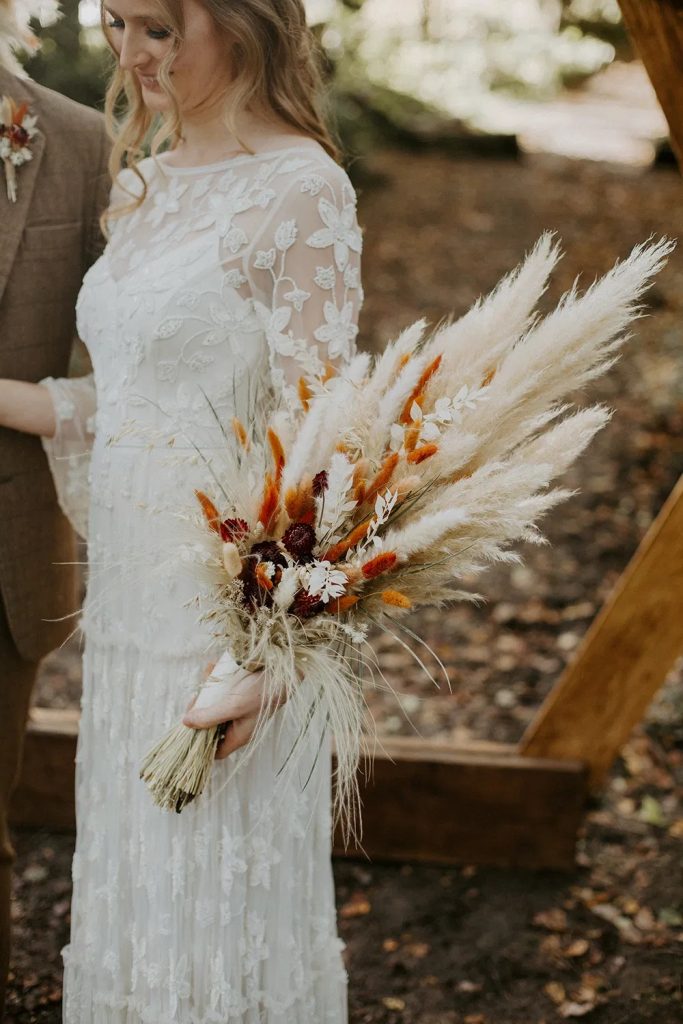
{"x": 17, "y": 128}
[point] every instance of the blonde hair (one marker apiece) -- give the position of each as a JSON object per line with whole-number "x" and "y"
{"x": 277, "y": 71}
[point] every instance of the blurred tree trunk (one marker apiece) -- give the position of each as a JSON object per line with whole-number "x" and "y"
{"x": 656, "y": 27}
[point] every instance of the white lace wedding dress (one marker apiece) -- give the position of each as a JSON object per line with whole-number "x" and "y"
{"x": 227, "y": 278}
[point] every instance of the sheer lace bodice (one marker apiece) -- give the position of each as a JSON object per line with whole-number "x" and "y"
{"x": 223, "y": 273}
{"x": 225, "y": 279}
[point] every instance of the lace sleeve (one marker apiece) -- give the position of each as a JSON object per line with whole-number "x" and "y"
{"x": 68, "y": 451}
{"x": 304, "y": 271}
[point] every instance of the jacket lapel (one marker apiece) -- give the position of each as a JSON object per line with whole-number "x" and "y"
{"x": 13, "y": 215}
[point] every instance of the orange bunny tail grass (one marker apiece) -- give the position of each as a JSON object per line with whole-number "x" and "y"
{"x": 304, "y": 392}
{"x": 240, "y": 433}
{"x": 269, "y": 503}
{"x": 342, "y": 604}
{"x": 418, "y": 391}
{"x": 334, "y": 553}
{"x": 422, "y": 453}
{"x": 396, "y": 598}
{"x": 261, "y": 577}
{"x": 278, "y": 453}
{"x": 410, "y": 437}
{"x": 300, "y": 503}
{"x": 490, "y": 374}
{"x": 379, "y": 564}
{"x": 211, "y": 513}
{"x": 383, "y": 476}
{"x": 359, "y": 492}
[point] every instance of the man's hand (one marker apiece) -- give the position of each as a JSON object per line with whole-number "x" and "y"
{"x": 238, "y": 708}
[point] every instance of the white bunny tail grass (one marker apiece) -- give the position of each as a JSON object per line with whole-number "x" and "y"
{"x": 177, "y": 768}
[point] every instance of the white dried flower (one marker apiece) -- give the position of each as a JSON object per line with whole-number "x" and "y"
{"x": 325, "y": 581}
{"x": 284, "y": 592}
{"x": 231, "y": 559}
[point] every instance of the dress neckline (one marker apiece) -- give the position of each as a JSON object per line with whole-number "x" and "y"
{"x": 230, "y": 161}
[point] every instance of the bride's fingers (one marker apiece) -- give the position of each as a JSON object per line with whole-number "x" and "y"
{"x": 222, "y": 711}
{"x": 238, "y": 735}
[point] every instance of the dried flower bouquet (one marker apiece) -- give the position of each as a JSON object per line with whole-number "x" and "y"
{"x": 392, "y": 480}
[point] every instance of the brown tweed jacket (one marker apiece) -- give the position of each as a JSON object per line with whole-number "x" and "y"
{"x": 49, "y": 237}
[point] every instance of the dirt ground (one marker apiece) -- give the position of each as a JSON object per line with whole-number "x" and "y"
{"x": 460, "y": 945}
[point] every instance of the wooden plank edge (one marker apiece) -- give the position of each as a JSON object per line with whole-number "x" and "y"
{"x": 422, "y": 801}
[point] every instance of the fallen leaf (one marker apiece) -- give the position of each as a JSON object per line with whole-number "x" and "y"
{"x": 670, "y": 917}
{"x": 417, "y": 949}
{"x": 356, "y": 906}
{"x": 575, "y": 1009}
{"x": 35, "y": 873}
{"x": 652, "y": 813}
{"x": 555, "y": 991}
{"x": 630, "y": 907}
{"x": 469, "y": 987}
{"x": 579, "y": 947}
{"x": 393, "y": 1003}
{"x": 625, "y": 927}
{"x": 645, "y": 919}
{"x": 555, "y": 919}
{"x": 390, "y": 945}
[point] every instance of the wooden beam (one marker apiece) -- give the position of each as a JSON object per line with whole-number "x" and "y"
{"x": 656, "y": 27}
{"x": 423, "y": 801}
{"x": 45, "y": 794}
{"x": 437, "y": 804}
{"x": 625, "y": 657}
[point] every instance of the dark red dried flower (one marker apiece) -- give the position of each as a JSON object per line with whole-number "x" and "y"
{"x": 305, "y": 605}
{"x": 319, "y": 483}
{"x": 268, "y": 551}
{"x": 18, "y": 135}
{"x": 263, "y": 551}
{"x": 233, "y": 529}
{"x": 299, "y": 539}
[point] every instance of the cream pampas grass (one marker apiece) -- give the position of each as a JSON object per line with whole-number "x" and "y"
{"x": 382, "y": 489}
{"x": 15, "y": 33}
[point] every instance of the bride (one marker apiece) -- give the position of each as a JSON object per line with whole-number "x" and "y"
{"x": 232, "y": 267}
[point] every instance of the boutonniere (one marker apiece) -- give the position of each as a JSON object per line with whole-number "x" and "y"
{"x": 17, "y": 128}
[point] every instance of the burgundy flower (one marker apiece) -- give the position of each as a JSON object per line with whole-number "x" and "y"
{"x": 268, "y": 551}
{"x": 299, "y": 539}
{"x": 305, "y": 604}
{"x": 18, "y": 135}
{"x": 233, "y": 529}
{"x": 319, "y": 483}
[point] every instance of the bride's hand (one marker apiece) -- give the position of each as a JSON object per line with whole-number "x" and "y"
{"x": 238, "y": 709}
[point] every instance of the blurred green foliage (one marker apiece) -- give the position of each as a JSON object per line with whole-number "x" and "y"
{"x": 399, "y": 68}
{"x": 69, "y": 62}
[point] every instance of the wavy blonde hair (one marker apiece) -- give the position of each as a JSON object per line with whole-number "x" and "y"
{"x": 277, "y": 64}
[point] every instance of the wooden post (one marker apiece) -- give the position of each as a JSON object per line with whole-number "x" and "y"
{"x": 625, "y": 657}
{"x": 656, "y": 27}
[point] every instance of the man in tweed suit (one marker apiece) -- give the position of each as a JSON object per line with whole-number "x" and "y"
{"x": 50, "y": 235}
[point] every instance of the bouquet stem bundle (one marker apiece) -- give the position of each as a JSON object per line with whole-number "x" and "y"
{"x": 177, "y": 768}
{"x": 389, "y": 482}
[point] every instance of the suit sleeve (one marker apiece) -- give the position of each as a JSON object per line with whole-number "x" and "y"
{"x": 74, "y": 399}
